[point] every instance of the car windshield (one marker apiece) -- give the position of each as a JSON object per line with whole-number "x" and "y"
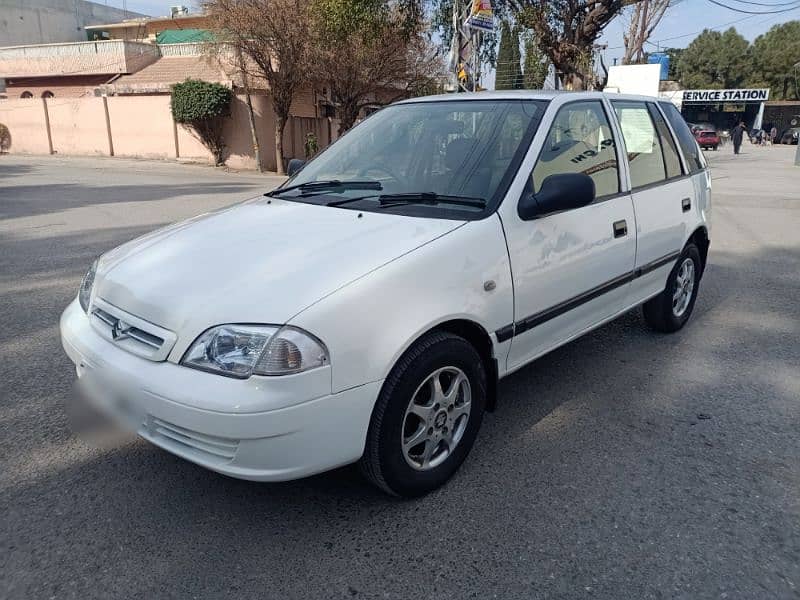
{"x": 447, "y": 159}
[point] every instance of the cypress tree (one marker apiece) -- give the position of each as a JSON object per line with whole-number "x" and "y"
{"x": 509, "y": 71}
{"x": 535, "y": 64}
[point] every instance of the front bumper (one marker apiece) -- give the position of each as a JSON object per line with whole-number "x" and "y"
{"x": 180, "y": 411}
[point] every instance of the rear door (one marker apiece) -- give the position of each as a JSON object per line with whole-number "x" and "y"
{"x": 694, "y": 163}
{"x": 662, "y": 192}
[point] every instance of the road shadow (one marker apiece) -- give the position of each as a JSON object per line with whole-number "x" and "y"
{"x": 31, "y": 200}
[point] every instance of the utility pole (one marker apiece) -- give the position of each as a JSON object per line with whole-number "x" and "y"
{"x": 476, "y": 67}
{"x": 456, "y": 46}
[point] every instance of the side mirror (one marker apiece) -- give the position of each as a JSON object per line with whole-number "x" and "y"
{"x": 295, "y": 164}
{"x": 563, "y": 191}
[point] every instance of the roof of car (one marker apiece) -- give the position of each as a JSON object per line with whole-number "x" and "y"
{"x": 524, "y": 95}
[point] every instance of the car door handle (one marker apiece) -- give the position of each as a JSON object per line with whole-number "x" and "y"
{"x": 620, "y": 228}
{"x": 686, "y": 204}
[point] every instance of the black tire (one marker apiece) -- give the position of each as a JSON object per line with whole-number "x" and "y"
{"x": 659, "y": 313}
{"x": 384, "y": 463}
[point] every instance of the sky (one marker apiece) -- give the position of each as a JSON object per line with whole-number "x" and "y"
{"x": 678, "y": 28}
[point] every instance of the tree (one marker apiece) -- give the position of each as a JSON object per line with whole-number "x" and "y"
{"x": 674, "y": 55}
{"x": 644, "y": 18}
{"x": 202, "y": 107}
{"x": 276, "y": 39}
{"x": 509, "y": 70}
{"x": 715, "y": 60}
{"x": 370, "y": 52}
{"x": 5, "y": 139}
{"x": 566, "y": 31}
{"x": 775, "y": 55}
{"x": 536, "y": 65}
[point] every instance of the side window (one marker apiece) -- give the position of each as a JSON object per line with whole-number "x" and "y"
{"x": 671, "y": 160}
{"x": 641, "y": 142}
{"x": 691, "y": 152}
{"x": 580, "y": 141}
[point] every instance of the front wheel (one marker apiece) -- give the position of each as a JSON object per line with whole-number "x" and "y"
{"x": 427, "y": 416}
{"x": 670, "y": 310}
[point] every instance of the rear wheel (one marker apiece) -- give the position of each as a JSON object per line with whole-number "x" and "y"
{"x": 670, "y": 310}
{"x": 427, "y": 416}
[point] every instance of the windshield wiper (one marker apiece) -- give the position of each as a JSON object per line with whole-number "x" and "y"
{"x": 389, "y": 200}
{"x": 330, "y": 184}
{"x": 430, "y": 198}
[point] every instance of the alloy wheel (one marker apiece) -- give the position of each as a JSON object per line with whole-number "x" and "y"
{"x": 684, "y": 286}
{"x": 436, "y": 418}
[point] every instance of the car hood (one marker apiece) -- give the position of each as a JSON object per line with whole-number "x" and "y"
{"x": 262, "y": 261}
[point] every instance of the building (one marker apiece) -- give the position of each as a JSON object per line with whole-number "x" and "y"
{"x": 71, "y": 69}
{"x": 26, "y": 22}
{"x": 180, "y": 26}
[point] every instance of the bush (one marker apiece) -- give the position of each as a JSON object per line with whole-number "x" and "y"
{"x": 5, "y": 138}
{"x": 202, "y": 107}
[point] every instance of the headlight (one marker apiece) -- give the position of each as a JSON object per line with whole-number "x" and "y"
{"x": 244, "y": 350}
{"x": 87, "y": 283}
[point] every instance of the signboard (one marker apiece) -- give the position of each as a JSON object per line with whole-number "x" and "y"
{"x": 480, "y": 16}
{"x": 740, "y": 95}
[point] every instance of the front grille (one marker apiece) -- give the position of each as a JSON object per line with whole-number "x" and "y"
{"x": 210, "y": 446}
{"x": 130, "y": 332}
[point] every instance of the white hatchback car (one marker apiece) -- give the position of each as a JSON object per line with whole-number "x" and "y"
{"x": 365, "y": 310}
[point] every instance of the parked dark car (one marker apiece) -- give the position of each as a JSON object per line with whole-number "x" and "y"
{"x": 790, "y": 136}
{"x": 707, "y": 139}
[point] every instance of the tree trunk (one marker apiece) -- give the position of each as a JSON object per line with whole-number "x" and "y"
{"x": 252, "y": 120}
{"x": 280, "y": 125}
{"x": 250, "y": 115}
{"x": 574, "y": 81}
{"x": 347, "y": 119}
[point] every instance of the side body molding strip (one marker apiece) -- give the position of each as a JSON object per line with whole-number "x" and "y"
{"x": 508, "y": 331}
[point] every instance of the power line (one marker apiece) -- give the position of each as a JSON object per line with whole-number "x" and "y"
{"x": 752, "y": 12}
{"x": 765, "y": 3}
{"x": 683, "y": 35}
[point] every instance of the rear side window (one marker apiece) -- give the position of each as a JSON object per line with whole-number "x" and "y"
{"x": 641, "y": 142}
{"x": 580, "y": 141}
{"x": 691, "y": 152}
{"x": 671, "y": 160}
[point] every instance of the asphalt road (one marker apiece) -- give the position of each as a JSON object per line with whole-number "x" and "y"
{"x": 624, "y": 465}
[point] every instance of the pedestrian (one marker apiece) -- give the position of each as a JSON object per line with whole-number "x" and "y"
{"x": 773, "y": 134}
{"x": 738, "y": 134}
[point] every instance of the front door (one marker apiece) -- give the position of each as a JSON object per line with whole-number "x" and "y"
{"x": 571, "y": 269}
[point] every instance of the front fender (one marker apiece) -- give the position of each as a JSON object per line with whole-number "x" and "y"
{"x": 368, "y": 324}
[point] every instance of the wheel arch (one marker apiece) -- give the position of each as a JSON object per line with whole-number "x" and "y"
{"x": 479, "y": 338}
{"x": 700, "y": 239}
